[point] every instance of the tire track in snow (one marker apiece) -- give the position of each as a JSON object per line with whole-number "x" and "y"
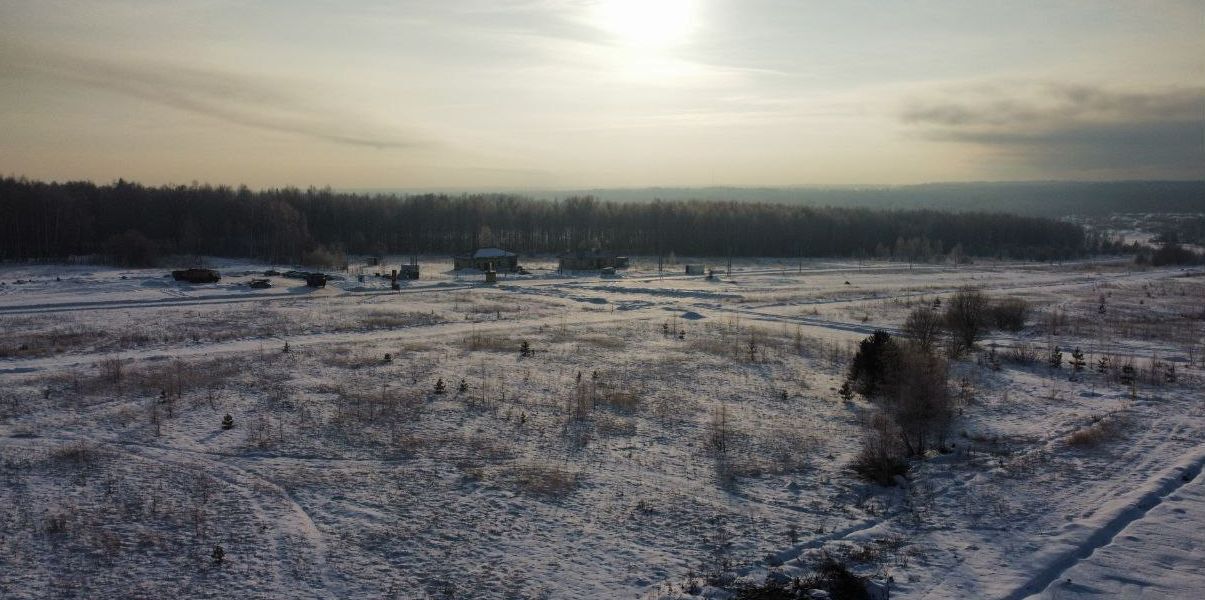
{"x": 251, "y": 488}
{"x": 255, "y": 344}
{"x": 185, "y": 301}
{"x": 1132, "y": 509}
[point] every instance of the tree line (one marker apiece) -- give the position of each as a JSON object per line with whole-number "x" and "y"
{"x": 44, "y": 220}
{"x": 1033, "y": 198}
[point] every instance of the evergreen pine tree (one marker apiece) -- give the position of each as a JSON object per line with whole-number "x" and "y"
{"x": 1077, "y": 360}
{"x": 1102, "y": 365}
{"x": 1127, "y": 374}
{"x": 525, "y": 349}
{"x": 440, "y": 387}
{"x": 846, "y": 391}
{"x": 463, "y": 387}
{"x": 227, "y": 422}
{"x": 218, "y": 555}
{"x": 1056, "y": 358}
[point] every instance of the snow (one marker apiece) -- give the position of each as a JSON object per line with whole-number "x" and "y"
{"x": 584, "y": 469}
{"x": 1156, "y": 555}
{"x": 491, "y": 253}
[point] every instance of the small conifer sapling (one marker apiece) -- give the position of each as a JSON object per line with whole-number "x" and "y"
{"x": 1056, "y": 358}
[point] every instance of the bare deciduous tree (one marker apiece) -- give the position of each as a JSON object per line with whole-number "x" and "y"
{"x": 919, "y": 400}
{"x": 924, "y": 326}
{"x": 966, "y": 316}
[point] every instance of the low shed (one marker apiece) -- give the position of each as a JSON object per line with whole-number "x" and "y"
{"x": 591, "y": 261}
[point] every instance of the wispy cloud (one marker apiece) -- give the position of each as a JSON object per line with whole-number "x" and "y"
{"x": 1073, "y": 127}
{"x": 236, "y": 98}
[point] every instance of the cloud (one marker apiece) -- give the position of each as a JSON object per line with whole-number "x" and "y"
{"x": 1062, "y": 129}
{"x": 229, "y": 96}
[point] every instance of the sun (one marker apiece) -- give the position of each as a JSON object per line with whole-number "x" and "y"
{"x": 648, "y": 24}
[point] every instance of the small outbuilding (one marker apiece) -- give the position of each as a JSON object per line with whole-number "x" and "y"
{"x": 696, "y": 269}
{"x": 483, "y": 259}
{"x": 593, "y": 260}
{"x": 407, "y": 272}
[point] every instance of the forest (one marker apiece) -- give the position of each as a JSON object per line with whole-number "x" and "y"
{"x": 1032, "y": 198}
{"x": 134, "y": 223}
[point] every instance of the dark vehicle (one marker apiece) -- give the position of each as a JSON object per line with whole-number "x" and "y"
{"x": 260, "y": 284}
{"x": 315, "y": 280}
{"x": 197, "y": 275}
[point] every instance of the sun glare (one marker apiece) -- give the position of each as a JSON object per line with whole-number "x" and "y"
{"x": 651, "y": 24}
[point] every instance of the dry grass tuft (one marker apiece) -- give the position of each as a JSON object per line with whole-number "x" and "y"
{"x": 1100, "y": 431}
{"x": 392, "y": 319}
{"x": 490, "y": 342}
{"x": 542, "y": 480}
{"x": 603, "y": 341}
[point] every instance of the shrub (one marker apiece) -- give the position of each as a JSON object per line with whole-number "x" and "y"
{"x": 966, "y": 316}
{"x": 622, "y": 400}
{"x": 1025, "y": 354}
{"x": 832, "y": 576}
{"x": 881, "y": 458}
{"x": 924, "y": 326}
{"x": 1010, "y": 314}
{"x": 719, "y": 431}
{"x": 56, "y": 523}
{"x": 835, "y": 578}
{"x": 75, "y": 453}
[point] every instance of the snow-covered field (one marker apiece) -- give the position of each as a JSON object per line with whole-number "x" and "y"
{"x": 587, "y": 468}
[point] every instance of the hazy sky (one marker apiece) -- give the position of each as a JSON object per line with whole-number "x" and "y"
{"x": 543, "y": 93}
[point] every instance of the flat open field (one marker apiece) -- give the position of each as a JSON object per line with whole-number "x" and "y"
{"x": 587, "y": 467}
